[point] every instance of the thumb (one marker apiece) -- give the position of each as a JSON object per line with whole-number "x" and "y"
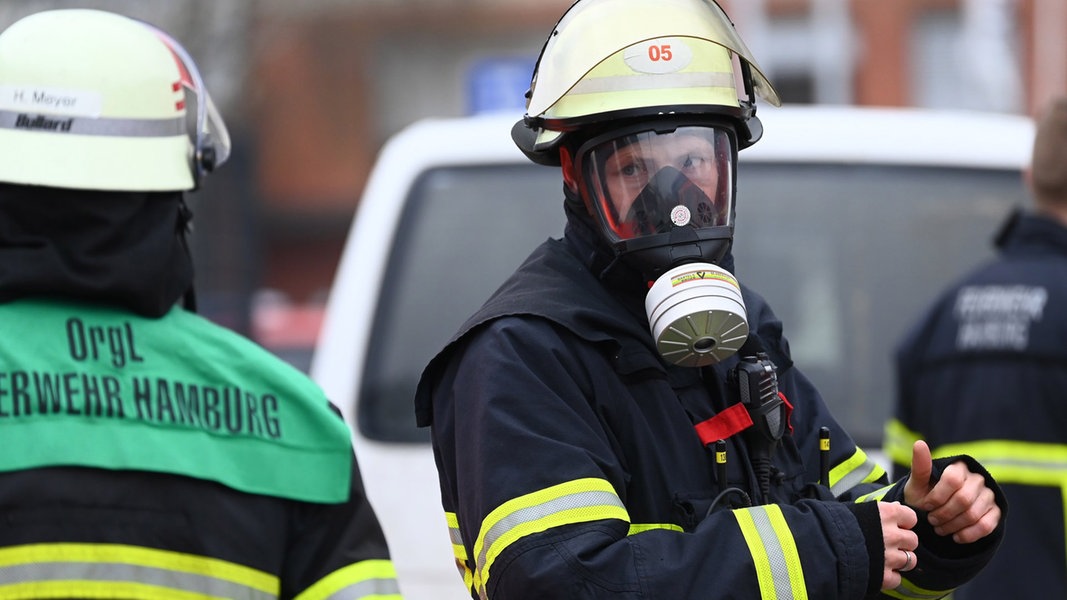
{"x": 922, "y": 465}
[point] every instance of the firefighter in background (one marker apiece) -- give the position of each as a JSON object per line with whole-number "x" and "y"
{"x": 983, "y": 372}
{"x": 147, "y": 453}
{"x": 622, "y": 419}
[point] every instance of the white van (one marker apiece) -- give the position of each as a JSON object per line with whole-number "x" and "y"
{"x": 848, "y": 222}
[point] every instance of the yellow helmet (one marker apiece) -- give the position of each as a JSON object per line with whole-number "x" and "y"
{"x": 95, "y": 100}
{"x": 610, "y": 60}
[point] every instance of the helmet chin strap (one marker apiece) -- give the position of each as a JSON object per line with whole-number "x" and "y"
{"x": 189, "y": 299}
{"x": 184, "y": 228}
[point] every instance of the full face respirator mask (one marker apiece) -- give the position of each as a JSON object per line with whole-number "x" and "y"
{"x": 663, "y": 197}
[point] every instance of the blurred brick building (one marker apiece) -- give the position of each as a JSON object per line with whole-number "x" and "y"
{"x": 333, "y": 83}
{"x": 312, "y": 88}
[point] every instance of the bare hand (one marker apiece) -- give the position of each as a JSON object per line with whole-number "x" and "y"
{"x": 959, "y": 504}
{"x": 899, "y": 540}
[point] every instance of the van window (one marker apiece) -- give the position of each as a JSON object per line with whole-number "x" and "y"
{"x": 463, "y": 231}
{"x": 846, "y": 255}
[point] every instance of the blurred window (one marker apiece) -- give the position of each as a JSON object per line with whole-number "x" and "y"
{"x": 464, "y": 230}
{"x": 846, "y": 255}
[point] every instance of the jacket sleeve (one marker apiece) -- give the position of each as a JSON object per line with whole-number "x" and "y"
{"x": 536, "y": 494}
{"x": 338, "y": 550}
{"x": 946, "y": 564}
{"x": 854, "y": 477}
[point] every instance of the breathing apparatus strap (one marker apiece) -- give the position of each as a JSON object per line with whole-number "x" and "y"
{"x": 184, "y": 227}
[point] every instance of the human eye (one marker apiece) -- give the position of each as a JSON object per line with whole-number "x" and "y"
{"x": 696, "y": 163}
{"x": 634, "y": 168}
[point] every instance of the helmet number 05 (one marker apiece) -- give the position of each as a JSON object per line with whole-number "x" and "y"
{"x": 661, "y": 52}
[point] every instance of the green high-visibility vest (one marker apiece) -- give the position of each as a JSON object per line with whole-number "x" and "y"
{"x": 91, "y": 386}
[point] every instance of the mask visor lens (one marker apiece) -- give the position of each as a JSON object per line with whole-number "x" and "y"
{"x": 215, "y": 132}
{"x": 206, "y": 127}
{"x": 647, "y": 183}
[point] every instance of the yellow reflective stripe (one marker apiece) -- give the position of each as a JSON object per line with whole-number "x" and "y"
{"x": 875, "y": 495}
{"x": 1009, "y": 461}
{"x": 854, "y": 471}
{"x": 453, "y": 534}
{"x": 96, "y": 589}
{"x": 640, "y": 527}
{"x": 909, "y": 591}
{"x": 54, "y": 564}
{"x": 1019, "y": 463}
{"x": 898, "y": 442}
{"x": 363, "y": 580}
{"x": 774, "y": 552}
{"x": 578, "y": 501}
{"x": 458, "y": 549}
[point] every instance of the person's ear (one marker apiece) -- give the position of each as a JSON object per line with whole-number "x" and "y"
{"x": 570, "y": 177}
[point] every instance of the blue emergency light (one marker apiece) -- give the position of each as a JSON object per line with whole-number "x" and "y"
{"x": 498, "y": 84}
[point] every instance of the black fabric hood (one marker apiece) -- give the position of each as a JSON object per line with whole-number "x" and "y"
{"x": 120, "y": 248}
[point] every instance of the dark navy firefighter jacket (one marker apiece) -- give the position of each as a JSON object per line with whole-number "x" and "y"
{"x": 570, "y": 466}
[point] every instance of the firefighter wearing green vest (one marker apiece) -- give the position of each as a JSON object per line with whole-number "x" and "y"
{"x": 147, "y": 452}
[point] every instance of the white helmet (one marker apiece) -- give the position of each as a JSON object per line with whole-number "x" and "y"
{"x": 95, "y": 100}
{"x": 614, "y": 60}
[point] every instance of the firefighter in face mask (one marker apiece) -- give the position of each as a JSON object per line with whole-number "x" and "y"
{"x": 646, "y": 123}
{"x": 148, "y": 453}
{"x": 578, "y": 440}
{"x": 658, "y": 188}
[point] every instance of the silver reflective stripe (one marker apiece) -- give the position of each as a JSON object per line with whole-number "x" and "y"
{"x": 367, "y": 589}
{"x": 543, "y": 511}
{"x": 1056, "y": 467}
{"x": 455, "y": 536}
{"x": 854, "y": 477}
{"x": 875, "y": 495}
{"x": 775, "y": 554}
{"x": 110, "y": 572}
{"x": 629, "y": 83}
{"x": 533, "y": 513}
{"x": 79, "y": 125}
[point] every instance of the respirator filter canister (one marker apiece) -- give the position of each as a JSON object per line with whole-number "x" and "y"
{"x": 696, "y": 314}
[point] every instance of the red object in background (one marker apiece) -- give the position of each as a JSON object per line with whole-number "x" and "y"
{"x": 288, "y": 329}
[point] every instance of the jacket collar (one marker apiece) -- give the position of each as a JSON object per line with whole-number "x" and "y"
{"x": 1034, "y": 232}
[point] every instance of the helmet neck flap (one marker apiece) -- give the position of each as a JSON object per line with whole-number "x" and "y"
{"x": 134, "y": 255}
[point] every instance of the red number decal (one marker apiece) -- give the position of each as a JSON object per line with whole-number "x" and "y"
{"x": 658, "y": 53}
